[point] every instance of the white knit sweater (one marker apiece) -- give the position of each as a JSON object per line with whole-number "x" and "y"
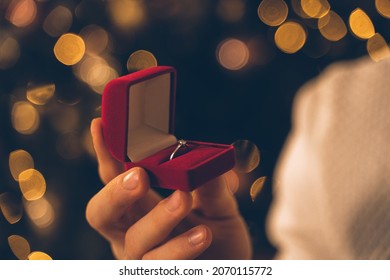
{"x": 332, "y": 182}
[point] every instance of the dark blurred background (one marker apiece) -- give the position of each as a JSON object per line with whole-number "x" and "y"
{"x": 223, "y": 95}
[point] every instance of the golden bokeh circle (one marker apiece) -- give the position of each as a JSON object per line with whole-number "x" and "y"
{"x": 361, "y": 24}
{"x": 126, "y": 14}
{"x": 96, "y": 39}
{"x": 11, "y": 207}
{"x": 233, "y": 54}
{"x": 32, "y": 184}
{"x": 37, "y": 255}
{"x": 19, "y": 161}
{"x": 141, "y": 59}
{"x": 272, "y": 12}
{"x": 58, "y": 21}
{"x": 315, "y": 8}
{"x": 256, "y": 187}
{"x": 383, "y": 7}
{"x": 377, "y": 48}
{"x": 19, "y": 246}
{"x": 332, "y": 27}
{"x": 297, "y": 8}
{"x": 22, "y": 13}
{"x": 40, "y": 212}
{"x": 69, "y": 49}
{"x": 290, "y": 37}
{"x": 9, "y": 51}
{"x": 247, "y": 156}
{"x": 96, "y": 72}
{"x": 40, "y": 95}
{"x": 25, "y": 118}
{"x": 109, "y": 74}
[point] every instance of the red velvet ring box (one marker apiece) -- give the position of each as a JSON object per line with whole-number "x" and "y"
{"x": 138, "y": 119}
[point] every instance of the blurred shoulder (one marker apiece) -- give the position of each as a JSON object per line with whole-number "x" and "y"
{"x": 350, "y": 77}
{"x": 345, "y": 89}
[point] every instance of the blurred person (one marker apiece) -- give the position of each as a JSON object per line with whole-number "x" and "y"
{"x": 332, "y": 195}
{"x": 332, "y": 186}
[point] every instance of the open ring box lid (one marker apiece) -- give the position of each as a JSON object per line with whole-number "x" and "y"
{"x": 138, "y": 120}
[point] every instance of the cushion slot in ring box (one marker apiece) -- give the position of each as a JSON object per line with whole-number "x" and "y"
{"x": 138, "y": 120}
{"x": 185, "y": 159}
{"x": 188, "y": 160}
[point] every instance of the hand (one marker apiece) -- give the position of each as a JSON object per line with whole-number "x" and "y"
{"x": 139, "y": 224}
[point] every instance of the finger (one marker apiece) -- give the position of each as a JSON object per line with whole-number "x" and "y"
{"x": 109, "y": 167}
{"x": 186, "y": 246}
{"x": 108, "y": 210}
{"x": 154, "y": 227}
{"x": 216, "y": 198}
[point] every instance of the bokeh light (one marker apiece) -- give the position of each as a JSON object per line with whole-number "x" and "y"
{"x": 19, "y": 246}
{"x": 12, "y": 207}
{"x": 25, "y": 118}
{"x": 19, "y": 161}
{"x": 58, "y": 21}
{"x": 256, "y": 187}
{"x": 100, "y": 76}
{"x": 361, "y": 24}
{"x": 40, "y": 212}
{"x": 272, "y": 12}
{"x": 297, "y": 8}
{"x": 126, "y": 14}
{"x": 96, "y": 39}
{"x": 21, "y": 13}
{"x": 315, "y": 8}
{"x": 247, "y": 156}
{"x": 40, "y": 95}
{"x": 332, "y": 27}
{"x": 231, "y": 10}
{"x": 32, "y": 184}
{"x": 9, "y": 51}
{"x": 377, "y": 48}
{"x": 290, "y": 37}
{"x": 141, "y": 59}
{"x": 69, "y": 49}
{"x": 233, "y": 54}
{"x": 383, "y": 7}
{"x": 96, "y": 72}
{"x": 39, "y": 256}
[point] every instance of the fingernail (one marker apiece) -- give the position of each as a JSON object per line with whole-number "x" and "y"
{"x": 173, "y": 202}
{"x": 197, "y": 237}
{"x": 130, "y": 181}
